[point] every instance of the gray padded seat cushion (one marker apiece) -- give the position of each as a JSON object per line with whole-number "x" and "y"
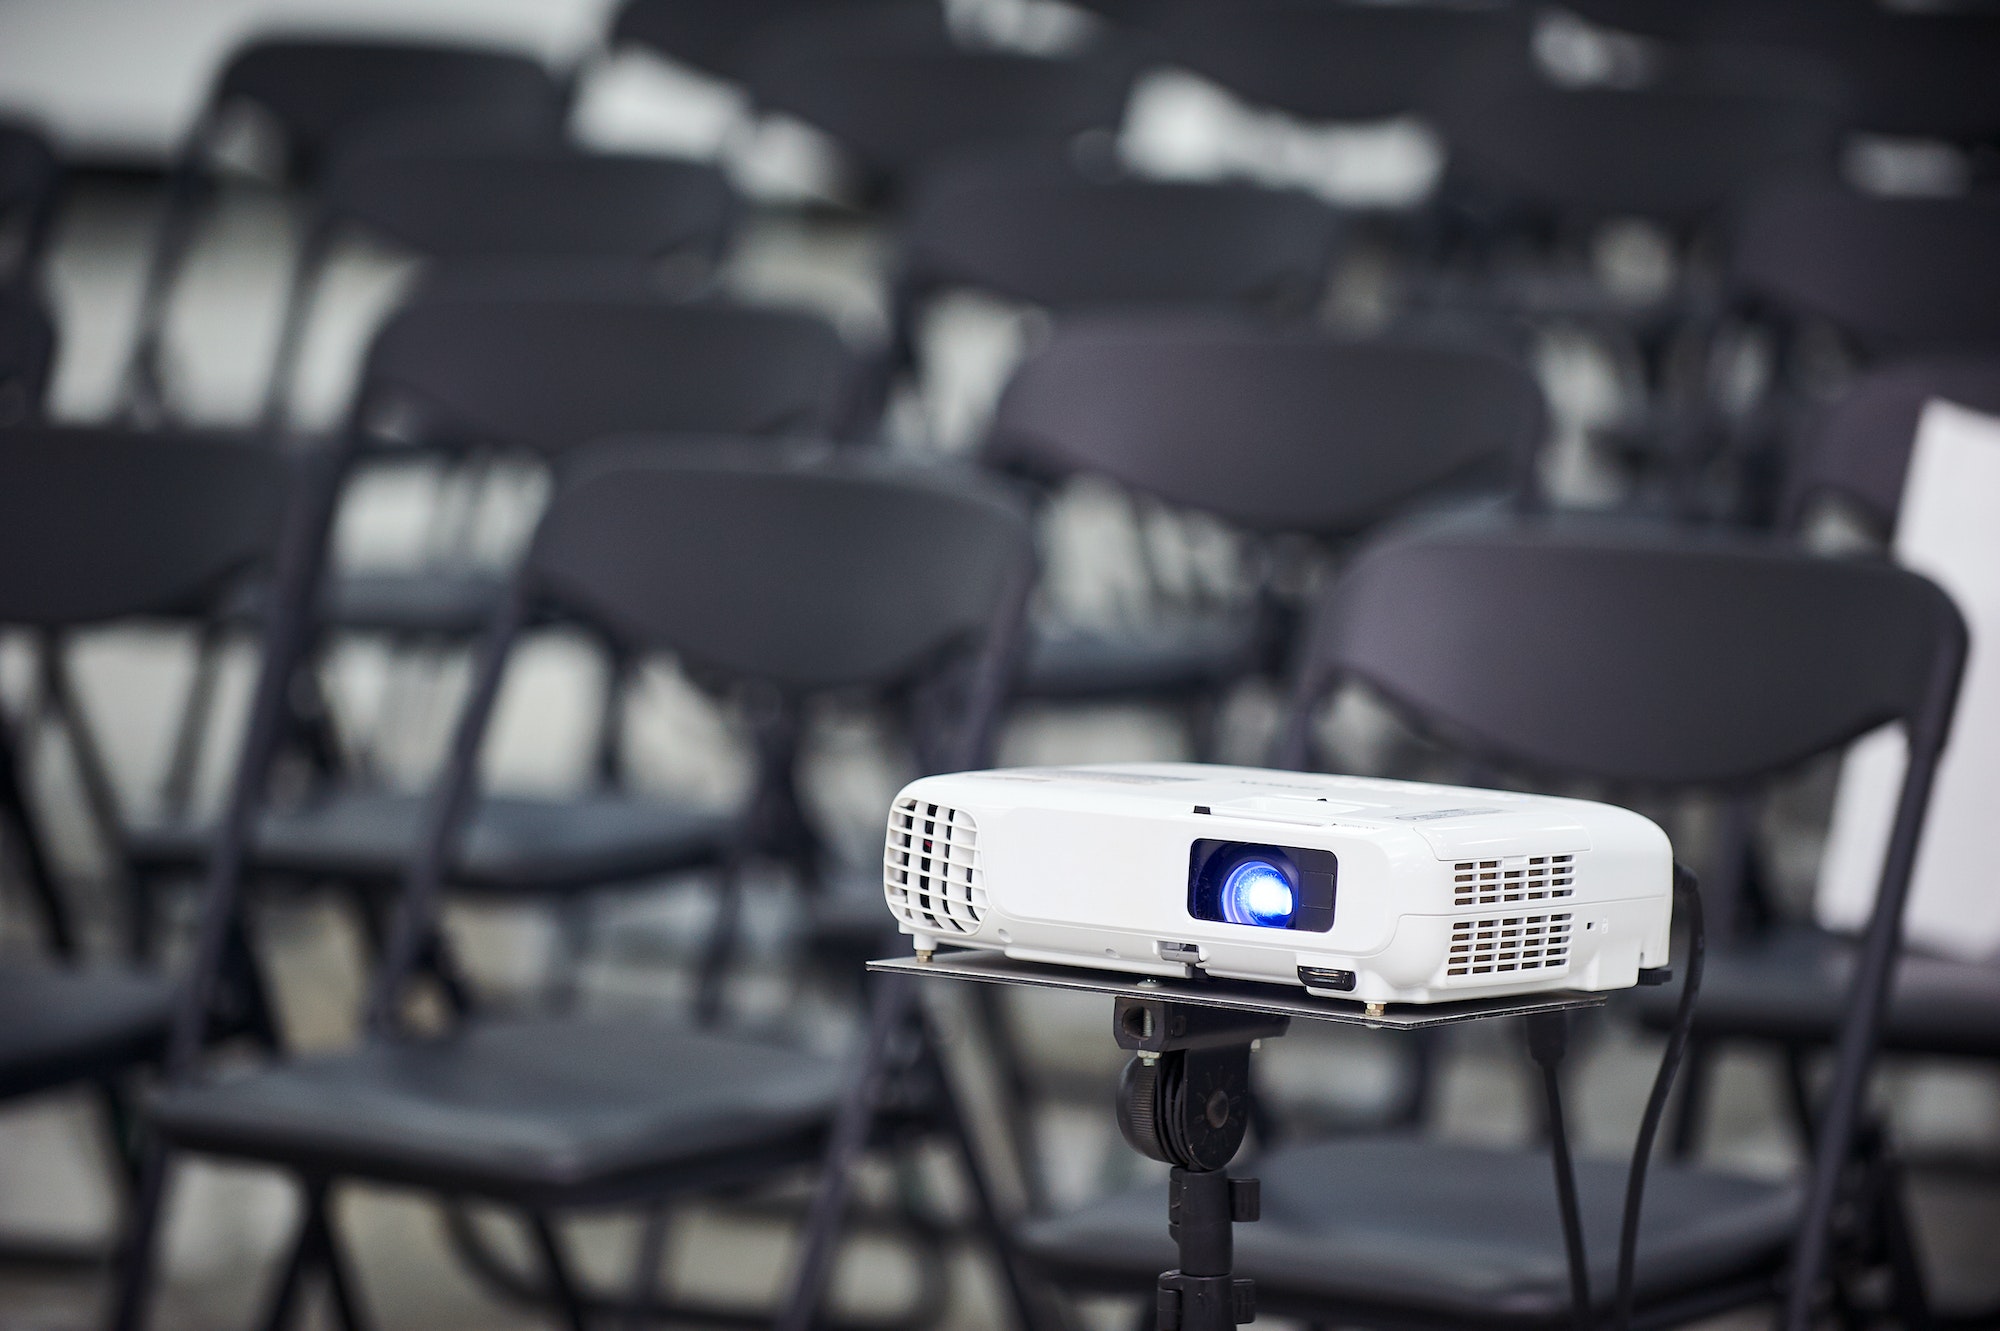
{"x": 514, "y": 844}
{"x": 1463, "y": 1231}
{"x": 511, "y": 1108}
{"x": 444, "y": 602}
{"x": 1173, "y": 656}
{"x": 1793, "y": 984}
{"x": 59, "y": 1024}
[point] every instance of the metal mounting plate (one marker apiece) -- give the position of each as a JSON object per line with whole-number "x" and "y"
{"x": 1242, "y": 995}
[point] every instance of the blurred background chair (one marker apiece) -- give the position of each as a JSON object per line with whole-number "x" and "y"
{"x": 103, "y": 527}
{"x": 1293, "y": 441}
{"x": 893, "y": 89}
{"x": 499, "y": 217}
{"x": 549, "y": 1115}
{"x": 1916, "y": 71}
{"x": 297, "y": 100}
{"x": 533, "y": 377}
{"x": 1632, "y": 693}
{"x": 1840, "y": 279}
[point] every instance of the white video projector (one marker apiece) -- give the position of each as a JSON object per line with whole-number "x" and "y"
{"x": 1371, "y": 890}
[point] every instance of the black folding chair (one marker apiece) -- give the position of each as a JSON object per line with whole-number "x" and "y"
{"x": 1538, "y": 170}
{"x": 320, "y": 94}
{"x": 503, "y": 217}
{"x": 1858, "y": 449}
{"x": 889, "y": 85}
{"x": 1918, "y": 71}
{"x": 1889, "y": 274}
{"x": 1040, "y": 232}
{"x": 723, "y": 560}
{"x": 538, "y": 373}
{"x": 30, "y": 177}
{"x": 715, "y": 36}
{"x": 1339, "y": 62}
{"x": 1708, "y": 126}
{"x": 1282, "y": 434}
{"x": 1591, "y": 650}
{"x": 539, "y": 376}
{"x": 1886, "y": 276}
{"x": 1786, "y": 982}
{"x": 101, "y": 527}
{"x": 27, "y": 354}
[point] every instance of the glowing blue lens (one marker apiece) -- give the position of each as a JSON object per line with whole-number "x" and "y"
{"x": 1258, "y": 892}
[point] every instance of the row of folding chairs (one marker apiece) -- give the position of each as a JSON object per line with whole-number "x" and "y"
{"x": 665, "y": 546}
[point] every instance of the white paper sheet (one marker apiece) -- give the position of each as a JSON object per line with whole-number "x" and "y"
{"x": 1949, "y": 530}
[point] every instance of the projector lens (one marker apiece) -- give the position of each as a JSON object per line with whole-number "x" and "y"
{"x": 1261, "y": 886}
{"x": 1258, "y": 892}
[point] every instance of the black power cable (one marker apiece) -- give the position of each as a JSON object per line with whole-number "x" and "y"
{"x": 1688, "y": 895}
{"x": 1548, "y": 1040}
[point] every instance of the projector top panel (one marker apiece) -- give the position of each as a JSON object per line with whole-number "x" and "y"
{"x": 1455, "y": 821}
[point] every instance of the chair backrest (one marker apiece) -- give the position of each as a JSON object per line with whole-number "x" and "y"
{"x": 1676, "y": 149}
{"x": 1271, "y": 430}
{"x": 807, "y": 575}
{"x": 718, "y": 36}
{"x": 103, "y": 524}
{"x": 27, "y": 351}
{"x": 1040, "y": 233}
{"x": 1922, "y": 70}
{"x": 1859, "y": 449}
{"x": 546, "y": 373}
{"x": 886, "y": 83}
{"x": 532, "y": 203}
{"x": 1338, "y": 61}
{"x": 1653, "y": 657}
{"x": 1892, "y": 273}
{"x": 322, "y": 89}
{"x": 1671, "y": 659}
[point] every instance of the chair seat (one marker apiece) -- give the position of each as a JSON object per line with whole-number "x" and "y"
{"x": 1792, "y": 984}
{"x": 1362, "y": 1224}
{"x": 444, "y": 603}
{"x": 59, "y": 1024}
{"x": 1177, "y": 656}
{"x": 522, "y": 1110}
{"x": 513, "y": 845}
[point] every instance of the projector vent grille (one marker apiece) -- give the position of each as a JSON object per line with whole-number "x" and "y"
{"x": 931, "y": 868}
{"x": 1508, "y": 945}
{"x": 1516, "y": 878}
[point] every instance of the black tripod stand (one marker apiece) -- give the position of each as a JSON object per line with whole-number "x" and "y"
{"x": 1185, "y": 1100}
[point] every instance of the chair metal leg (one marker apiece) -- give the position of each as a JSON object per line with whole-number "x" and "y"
{"x": 308, "y": 1252}
{"x": 348, "y": 1308}
{"x": 1030, "y": 1314}
{"x": 183, "y": 766}
{"x": 1798, "y": 1095}
{"x": 989, "y": 1009}
{"x": 562, "y": 1285}
{"x": 654, "y": 1231}
{"x": 895, "y": 998}
{"x": 133, "y": 1289}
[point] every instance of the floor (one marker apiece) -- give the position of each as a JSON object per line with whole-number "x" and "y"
{"x": 227, "y": 1225}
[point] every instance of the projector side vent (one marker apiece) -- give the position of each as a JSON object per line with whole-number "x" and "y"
{"x": 1516, "y": 878}
{"x": 1483, "y": 950}
{"x": 930, "y": 869}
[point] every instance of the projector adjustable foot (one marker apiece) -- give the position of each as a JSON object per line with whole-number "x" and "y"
{"x": 1185, "y": 1100}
